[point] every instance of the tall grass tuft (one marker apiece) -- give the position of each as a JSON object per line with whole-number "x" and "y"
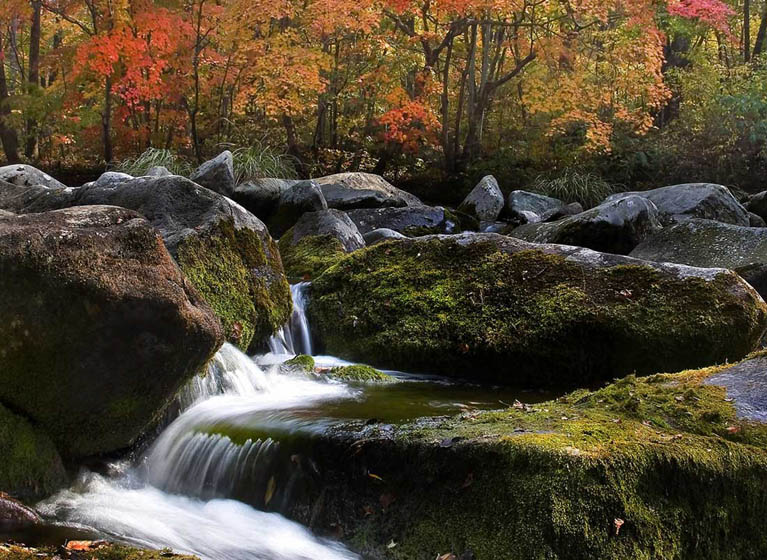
{"x": 575, "y": 186}
{"x": 259, "y": 161}
{"x": 153, "y": 157}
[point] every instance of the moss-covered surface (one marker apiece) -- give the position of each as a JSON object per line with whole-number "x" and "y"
{"x": 361, "y": 373}
{"x": 652, "y": 468}
{"x": 99, "y": 328}
{"x": 104, "y": 551}
{"x": 301, "y": 362}
{"x": 527, "y": 317}
{"x": 239, "y": 273}
{"x": 310, "y": 257}
{"x": 30, "y": 466}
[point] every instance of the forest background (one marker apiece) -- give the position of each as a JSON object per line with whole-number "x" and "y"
{"x": 601, "y": 95}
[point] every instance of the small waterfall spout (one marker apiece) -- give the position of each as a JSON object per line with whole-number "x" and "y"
{"x": 295, "y": 337}
{"x": 229, "y": 372}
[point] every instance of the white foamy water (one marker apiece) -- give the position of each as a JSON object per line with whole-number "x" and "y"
{"x": 176, "y": 497}
{"x": 214, "y": 529}
{"x": 295, "y": 337}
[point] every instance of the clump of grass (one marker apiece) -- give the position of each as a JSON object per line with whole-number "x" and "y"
{"x": 259, "y": 161}
{"x": 575, "y": 186}
{"x": 154, "y": 157}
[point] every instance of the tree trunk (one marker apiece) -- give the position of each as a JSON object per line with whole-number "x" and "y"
{"x": 447, "y": 145}
{"x": 106, "y": 121}
{"x": 33, "y": 76}
{"x": 761, "y": 34}
{"x": 8, "y": 136}
{"x": 747, "y": 30}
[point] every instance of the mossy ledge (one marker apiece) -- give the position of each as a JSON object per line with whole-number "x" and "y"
{"x": 493, "y": 307}
{"x": 360, "y": 373}
{"x": 105, "y": 551}
{"x": 239, "y": 273}
{"x": 652, "y": 468}
{"x": 310, "y": 257}
{"x": 301, "y": 362}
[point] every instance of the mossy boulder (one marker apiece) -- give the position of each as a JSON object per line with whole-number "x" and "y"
{"x": 485, "y": 306}
{"x": 99, "y": 326}
{"x": 301, "y": 362}
{"x": 708, "y": 243}
{"x": 360, "y": 373}
{"x": 226, "y": 252}
{"x": 316, "y": 242}
{"x": 662, "y": 467}
{"x": 30, "y": 466}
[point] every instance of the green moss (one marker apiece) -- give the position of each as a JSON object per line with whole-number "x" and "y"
{"x": 302, "y": 362}
{"x": 525, "y": 318}
{"x": 665, "y": 455}
{"x": 310, "y": 257}
{"x": 30, "y": 467}
{"x": 360, "y": 373}
{"x": 240, "y": 275}
{"x": 102, "y": 552}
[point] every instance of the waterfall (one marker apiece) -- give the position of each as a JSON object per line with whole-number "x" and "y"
{"x": 295, "y": 337}
{"x": 229, "y": 372}
{"x": 179, "y": 495}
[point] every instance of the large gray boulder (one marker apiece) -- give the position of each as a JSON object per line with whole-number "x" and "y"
{"x": 99, "y": 326}
{"x": 711, "y": 244}
{"x": 410, "y": 220}
{"x": 526, "y": 207}
{"x": 347, "y": 191}
{"x": 693, "y": 200}
{"x": 158, "y": 171}
{"x": 25, "y": 175}
{"x": 612, "y": 227}
{"x": 226, "y": 252}
{"x": 112, "y": 178}
{"x": 485, "y": 201}
{"x": 262, "y": 196}
{"x": 295, "y": 201}
{"x": 317, "y": 241}
{"x": 502, "y": 309}
{"x": 217, "y": 174}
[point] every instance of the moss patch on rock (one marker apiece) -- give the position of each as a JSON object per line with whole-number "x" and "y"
{"x": 302, "y": 362}
{"x": 310, "y": 257}
{"x": 653, "y": 468}
{"x": 30, "y": 466}
{"x": 361, "y": 373}
{"x": 240, "y": 275}
{"x": 527, "y": 317}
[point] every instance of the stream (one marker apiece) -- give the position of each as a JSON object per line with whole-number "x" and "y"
{"x": 213, "y": 480}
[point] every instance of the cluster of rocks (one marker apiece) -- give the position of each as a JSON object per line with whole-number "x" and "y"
{"x": 126, "y": 286}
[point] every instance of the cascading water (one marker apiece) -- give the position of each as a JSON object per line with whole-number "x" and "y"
{"x": 295, "y": 337}
{"x": 178, "y": 496}
{"x": 245, "y": 433}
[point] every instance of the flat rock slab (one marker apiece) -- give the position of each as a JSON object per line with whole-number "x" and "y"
{"x": 746, "y": 384}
